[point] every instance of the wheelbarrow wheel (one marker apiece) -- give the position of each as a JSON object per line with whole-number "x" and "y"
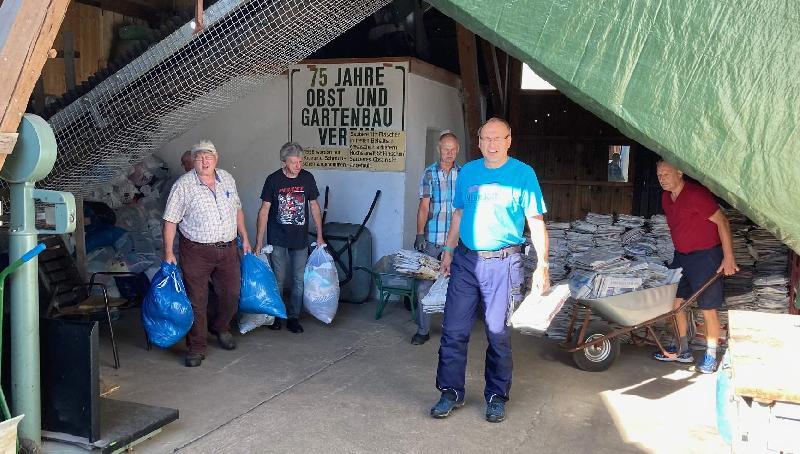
{"x": 598, "y": 357}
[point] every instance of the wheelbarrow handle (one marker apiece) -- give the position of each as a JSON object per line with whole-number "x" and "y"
{"x": 20, "y": 261}
{"x": 33, "y": 252}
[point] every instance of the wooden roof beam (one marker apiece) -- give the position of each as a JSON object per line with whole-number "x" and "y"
{"x": 27, "y": 31}
{"x": 468, "y": 62}
{"x": 124, "y": 7}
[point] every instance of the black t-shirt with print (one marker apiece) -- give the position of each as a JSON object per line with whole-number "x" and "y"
{"x": 289, "y": 216}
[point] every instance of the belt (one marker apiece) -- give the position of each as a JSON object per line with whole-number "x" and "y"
{"x": 218, "y": 244}
{"x": 498, "y": 254}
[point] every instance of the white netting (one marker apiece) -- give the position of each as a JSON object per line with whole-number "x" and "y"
{"x": 187, "y": 77}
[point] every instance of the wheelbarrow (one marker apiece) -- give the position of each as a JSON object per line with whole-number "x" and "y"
{"x": 595, "y": 345}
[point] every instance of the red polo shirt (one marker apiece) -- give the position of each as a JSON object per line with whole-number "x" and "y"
{"x": 687, "y": 218}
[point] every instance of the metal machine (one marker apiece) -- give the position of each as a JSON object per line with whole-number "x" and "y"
{"x": 32, "y": 159}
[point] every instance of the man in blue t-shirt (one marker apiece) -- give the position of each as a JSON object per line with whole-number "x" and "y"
{"x": 494, "y": 197}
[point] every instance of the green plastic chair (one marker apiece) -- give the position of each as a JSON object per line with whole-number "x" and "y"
{"x": 393, "y": 284}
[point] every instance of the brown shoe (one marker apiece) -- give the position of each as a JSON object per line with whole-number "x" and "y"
{"x": 226, "y": 341}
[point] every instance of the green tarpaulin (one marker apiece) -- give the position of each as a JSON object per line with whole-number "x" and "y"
{"x": 711, "y": 85}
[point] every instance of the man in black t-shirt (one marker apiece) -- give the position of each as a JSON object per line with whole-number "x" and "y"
{"x": 289, "y": 194}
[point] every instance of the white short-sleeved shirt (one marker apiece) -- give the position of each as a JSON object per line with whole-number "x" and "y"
{"x": 202, "y": 215}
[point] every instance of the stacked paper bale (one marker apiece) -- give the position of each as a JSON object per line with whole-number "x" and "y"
{"x": 606, "y": 257}
{"x": 416, "y": 264}
{"x": 559, "y": 249}
{"x": 739, "y": 287}
{"x": 770, "y": 280}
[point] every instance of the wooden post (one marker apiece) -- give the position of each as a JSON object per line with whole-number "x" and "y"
{"x": 69, "y": 59}
{"x": 80, "y": 238}
{"x": 27, "y": 31}
{"x": 492, "y": 66}
{"x": 198, "y": 16}
{"x": 468, "y": 62}
{"x": 514, "y": 98}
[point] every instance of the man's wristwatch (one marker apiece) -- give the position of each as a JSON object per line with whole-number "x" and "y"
{"x": 447, "y": 248}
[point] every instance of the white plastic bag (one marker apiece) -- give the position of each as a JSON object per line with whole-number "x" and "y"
{"x": 434, "y": 301}
{"x": 321, "y": 285}
{"x": 249, "y": 322}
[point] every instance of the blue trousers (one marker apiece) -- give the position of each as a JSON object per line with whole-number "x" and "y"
{"x": 290, "y": 265}
{"x": 492, "y": 286}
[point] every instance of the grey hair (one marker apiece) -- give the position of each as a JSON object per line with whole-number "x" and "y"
{"x": 291, "y": 149}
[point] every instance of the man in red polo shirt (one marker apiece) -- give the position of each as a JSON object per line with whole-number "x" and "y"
{"x": 703, "y": 247}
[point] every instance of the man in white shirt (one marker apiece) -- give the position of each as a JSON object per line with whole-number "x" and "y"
{"x": 204, "y": 204}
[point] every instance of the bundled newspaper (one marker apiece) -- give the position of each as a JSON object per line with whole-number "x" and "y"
{"x": 436, "y": 297}
{"x": 536, "y": 312}
{"x": 416, "y": 264}
{"x": 770, "y": 280}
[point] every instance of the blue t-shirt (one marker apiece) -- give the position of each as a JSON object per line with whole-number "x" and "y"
{"x": 495, "y": 202}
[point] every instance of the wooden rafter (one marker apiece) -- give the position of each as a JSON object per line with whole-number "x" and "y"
{"x": 468, "y": 62}
{"x": 27, "y": 31}
{"x": 124, "y": 7}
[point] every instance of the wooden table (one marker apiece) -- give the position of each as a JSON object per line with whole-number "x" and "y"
{"x": 764, "y": 353}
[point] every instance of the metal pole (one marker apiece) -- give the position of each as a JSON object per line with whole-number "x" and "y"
{"x": 25, "y": 373}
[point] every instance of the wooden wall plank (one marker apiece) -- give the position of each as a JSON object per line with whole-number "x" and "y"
{"x": 94, "y": 30}
{"x": 568, "y": 148}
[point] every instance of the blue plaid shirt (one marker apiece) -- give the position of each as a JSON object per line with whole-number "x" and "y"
{"x": 440, "y": 188}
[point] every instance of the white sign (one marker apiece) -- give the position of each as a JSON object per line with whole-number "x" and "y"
{"x": 331, "y": 103}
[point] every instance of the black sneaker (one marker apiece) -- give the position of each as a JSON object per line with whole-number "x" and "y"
{"x": 226, "y": 341}
{"x": 447, "y": 403}
{"x": 495, "y": 410}
{"x": 276, "y": 325}
{"x": 194, "y": 359}
{"x": 294, "y": 326}
{"x": 420, "y": 339}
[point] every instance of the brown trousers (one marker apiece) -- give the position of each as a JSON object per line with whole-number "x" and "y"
{"x": 199, "y": 262}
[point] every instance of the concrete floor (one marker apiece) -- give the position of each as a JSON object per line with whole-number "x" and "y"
{"x": 358, "y": 385}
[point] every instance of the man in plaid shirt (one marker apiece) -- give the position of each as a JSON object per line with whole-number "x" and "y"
{"x": 204, "y": 205}
{"x": 436, "y": 189}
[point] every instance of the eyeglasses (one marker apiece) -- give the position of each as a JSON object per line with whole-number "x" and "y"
{"x": 204, "y": 158}
{"x": 495, "y": 139}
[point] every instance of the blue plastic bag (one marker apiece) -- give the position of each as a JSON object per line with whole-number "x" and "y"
{"x": 259, "y": 293}
{"x": 166, "y": 311}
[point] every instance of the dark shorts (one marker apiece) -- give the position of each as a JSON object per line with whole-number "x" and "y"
{"x": 698, "y": 267}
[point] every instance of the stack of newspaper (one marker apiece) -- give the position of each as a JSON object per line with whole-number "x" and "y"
{"x": 434, "y": 300}
{"x": 600, "y": 219}
{"x": 633, "y": 235}
{"x": 629, "y": 221}
{"x": 579, "y": 242}
{"x": 559, "y": 249}
{"x": 660, "y": 232}
{"x": 770, "y": 280}
{"x": 582, "y": 226}
{"x": 416, "y": 264}
{"x": 738, "y": 288}
{"x": 536, "y": 312}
